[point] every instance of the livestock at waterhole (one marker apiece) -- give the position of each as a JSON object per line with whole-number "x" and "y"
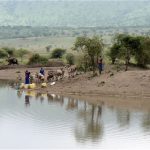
{"x": 37, "y": 80}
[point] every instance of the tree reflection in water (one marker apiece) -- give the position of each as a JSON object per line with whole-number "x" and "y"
{"x": 91, "y": 127}
{"x": 123, "y": 117}
{"x": 52, "y": 98}
{"x": 88, "y": 114}
{"x": 146, "y": 122}
{"x": 72, "y": 104}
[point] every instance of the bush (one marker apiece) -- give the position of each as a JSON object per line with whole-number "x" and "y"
{"x": 37, "y": 59}
{"x": 9, "y": 51}
{"x": 58, "y": 53}
{"x": 3, "y": 53}
{"x": 82, "y": 63}
{"x": 21, "y": 53}
{"x": 55, "y": 63}
{"x": 114, "y": 52}
{"x": 70, "y": 58}
{"x": 142, "y": 55}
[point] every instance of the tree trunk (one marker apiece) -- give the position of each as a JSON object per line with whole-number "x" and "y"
{"x": 113, "y": 61}
{"x": 126, "y": 68}
{"x": 127, "y": 59}
{"x": 93, "y": 64}
{"x": 21, "y": 59}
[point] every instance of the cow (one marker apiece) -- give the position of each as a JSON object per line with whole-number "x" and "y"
{"x": 55, "y": 75}
{"x": 59, "y": 74}
{"x": 72, "y": 71}
{"x": 50, "y": 76}
{"x": 12, "y": 61}
{"x": 38, "y": 78}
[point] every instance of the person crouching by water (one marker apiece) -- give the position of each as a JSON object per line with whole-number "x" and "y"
{"x": 100, "y": 65}
{"x": 41, "y": 75}
{"x": 27, "y": 77}
{"x": 42, "y": 71}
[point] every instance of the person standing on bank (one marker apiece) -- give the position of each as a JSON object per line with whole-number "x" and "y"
{"x": 27, "y": 77}
{"x": 100, "y": 65}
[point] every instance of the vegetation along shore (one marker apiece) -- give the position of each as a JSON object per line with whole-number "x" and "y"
{"x": 75, "y": 71}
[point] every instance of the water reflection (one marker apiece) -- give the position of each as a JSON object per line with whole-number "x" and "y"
{"x": 123, "y": 117}
{"x": 19, "y": 93}
{"x": 92, "y": 127}
{"x": 5, "y": 83}
{"x": 27, "y": 100}
{"x": 146, "y": 122}
{"x": 72, "y": 104}
{"x": 46, "y": 117}
{"x": 52, "y": 98}
{"x": 87, "y": 114}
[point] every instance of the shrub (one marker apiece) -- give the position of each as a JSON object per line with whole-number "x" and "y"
{"x": 82, "y": 63}
{"x": 9, "y": 51}
{"x": 70, "y": 58}
{"x": 3, "y": 53}
{"x": 37, "y": 59}
{"x": 21, "y": 53}
{"x": 114, "y": 52}
{"x": 58, "y": 53}
{"x": 55, "y": 63}
{"x": 142, "y": 55}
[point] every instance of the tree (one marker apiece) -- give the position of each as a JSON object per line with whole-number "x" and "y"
{"x": 125, "y": 47}
{"x": 10, "y": 51}
{"x": 22, "y": 52}
{"x": 70, "y": 58}
{"x": 58, "y": 53}
{"x": 142, "y": 54}
{"x": 3, "y": 53}
{"x": 91, "y": 47}
{"x": 37, "y": 59}
{"x": 114, "y": 52}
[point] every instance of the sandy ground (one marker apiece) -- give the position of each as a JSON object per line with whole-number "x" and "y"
{"x": 133, "y": 83}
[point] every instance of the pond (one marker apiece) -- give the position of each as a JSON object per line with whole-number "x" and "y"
{"x": 36, "y": 120}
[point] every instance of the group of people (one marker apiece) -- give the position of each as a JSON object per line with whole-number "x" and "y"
{"x": 28, "y": 77}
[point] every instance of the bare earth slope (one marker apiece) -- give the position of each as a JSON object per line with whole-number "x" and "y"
{"x": 130, "y": 83}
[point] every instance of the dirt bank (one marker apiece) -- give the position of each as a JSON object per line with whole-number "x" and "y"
{"x": 132, "y": 83}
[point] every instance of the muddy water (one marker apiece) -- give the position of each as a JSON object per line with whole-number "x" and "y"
{"x": 30, "y": 120}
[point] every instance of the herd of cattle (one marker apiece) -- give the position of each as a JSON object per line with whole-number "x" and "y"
{"x": 52, "y": 75}
{"x": 55, "y": 75}
{"x": 67, "y": 71}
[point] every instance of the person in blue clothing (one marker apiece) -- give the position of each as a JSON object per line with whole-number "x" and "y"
{"x": 100, "y": 65}
{"x": 42, "y": 71}
{"x": 27, "y": 77}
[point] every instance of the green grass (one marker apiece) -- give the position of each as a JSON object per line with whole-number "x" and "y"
{"x": 38, "y": 44}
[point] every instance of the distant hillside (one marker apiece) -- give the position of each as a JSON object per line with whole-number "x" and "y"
{"x": 74, "y": 14}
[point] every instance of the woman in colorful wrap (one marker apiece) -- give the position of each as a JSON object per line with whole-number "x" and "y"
{"x": 27, "y": 77}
